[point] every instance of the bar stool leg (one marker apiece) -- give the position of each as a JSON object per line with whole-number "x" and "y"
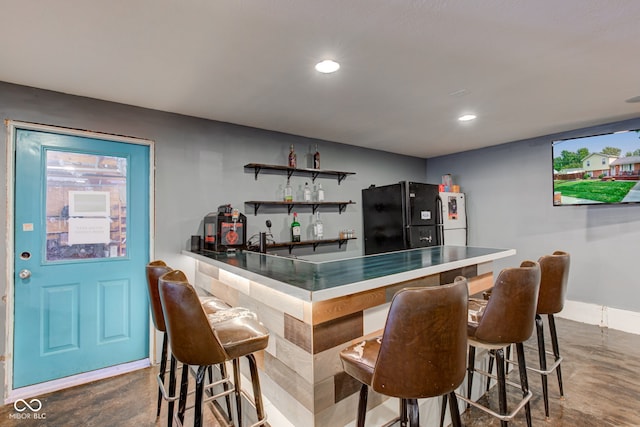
{"x": 236, "y": 382}
{"x": 490, "y": 369}
{"x": 454, "y": 410}
{"x": 542, "y": 356}
{"x": 197, "y": 416}
{"x": 522, "y": 367}
{"x": 502, "y": 387}
{"x": 255, "y": 382}
{"x": 556, "y": 350}
{"x": 225, "y": 386}
{"x": 163, "y": 368}
{"x": 184, "y": 388}
{"x": 443, "y": 409}
{"x": 414, "y": 412}
{"x": 362, "y": 405}
{"x": 404, "y": 412}
{"x": 172, "y": 389}
{"x": 470, "y": 370}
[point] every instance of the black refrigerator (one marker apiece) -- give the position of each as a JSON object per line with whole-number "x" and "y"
{"x": 400, "y": 216}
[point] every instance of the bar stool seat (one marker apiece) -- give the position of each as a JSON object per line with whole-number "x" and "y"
{"x": 199, "y": 339}
{"x": 421, "y": 353}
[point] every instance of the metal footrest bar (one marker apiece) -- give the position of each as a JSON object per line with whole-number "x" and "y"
{"x": 165, "y": 394}
{"x": 549, "y": 369}
{"x": 251, "y": 402}
{"x": 506, "y": 417}
{"x": 209, "y": 398}
{"x": 503, "y": 417}
{"x": 495, "y": 377}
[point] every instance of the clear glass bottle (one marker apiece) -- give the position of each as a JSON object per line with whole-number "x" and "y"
{"x": 316, "y": 158}
{"x": 320, "y": 193}
{"x": 318, "y": 227}
{"x": 295, "y": 228}
{"x": 288, "y": 192}
{"x": 306, "y": 193}
{"x": 292, "y": 158}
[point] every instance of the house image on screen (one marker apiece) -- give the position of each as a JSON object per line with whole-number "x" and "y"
{"x": 598, "y": 164}
{"x": 626, "y": 167}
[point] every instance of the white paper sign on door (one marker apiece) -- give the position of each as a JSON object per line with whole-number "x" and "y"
{"x": 84, "y": 231}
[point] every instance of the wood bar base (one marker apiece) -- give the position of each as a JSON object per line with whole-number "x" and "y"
{"x": 300, "y": 370}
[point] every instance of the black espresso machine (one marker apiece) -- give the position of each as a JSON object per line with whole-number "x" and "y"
{"x": 225, "y": 229}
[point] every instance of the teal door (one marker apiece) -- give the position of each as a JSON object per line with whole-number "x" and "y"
{"x": 81, "y": 243}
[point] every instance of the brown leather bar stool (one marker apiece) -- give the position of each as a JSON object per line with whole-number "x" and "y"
{"x": 506, "y": 318}
{"x": 202, "y": 340}
{"x": 553, "y": 288}
{"x": 154, "y": 270}
{"x": 554, "y": 273}
{"x": 421, "y": 353}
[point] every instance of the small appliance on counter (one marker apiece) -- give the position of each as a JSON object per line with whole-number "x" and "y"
{"x": 225, "y": 230}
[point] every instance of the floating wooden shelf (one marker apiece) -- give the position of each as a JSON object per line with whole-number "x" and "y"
{"x": 314, "y": 205}
{"x": 257, "y": 167}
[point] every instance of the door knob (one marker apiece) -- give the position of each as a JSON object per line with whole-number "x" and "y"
{"x": 24, "y": 274}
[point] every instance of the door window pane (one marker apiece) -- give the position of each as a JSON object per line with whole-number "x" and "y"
{"x": 86, "y": 212}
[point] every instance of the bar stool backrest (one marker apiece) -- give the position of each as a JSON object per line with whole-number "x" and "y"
{"x": 553, "y": 282}
{"x": 192, "y": 339}
{"x": 510, "y": 313}
{"x": 424, "y": 344}
{"x": 155, "y": 269}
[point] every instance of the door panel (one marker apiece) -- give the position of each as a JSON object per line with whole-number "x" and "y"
{"x": 83, "y": 242}
{"x": 60, "y": 318}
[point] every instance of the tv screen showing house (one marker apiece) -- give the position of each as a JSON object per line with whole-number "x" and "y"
{"x": 598, "y": 169}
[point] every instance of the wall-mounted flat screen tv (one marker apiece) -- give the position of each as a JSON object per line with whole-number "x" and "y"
{"x": 597, "y": 170}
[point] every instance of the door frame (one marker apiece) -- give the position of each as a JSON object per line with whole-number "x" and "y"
{"x": 10, "y": 394}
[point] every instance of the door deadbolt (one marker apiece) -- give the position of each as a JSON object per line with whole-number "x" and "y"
{"x": 24, "y": 274}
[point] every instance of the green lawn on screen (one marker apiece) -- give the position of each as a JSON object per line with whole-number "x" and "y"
{"x": 596, "y": 190}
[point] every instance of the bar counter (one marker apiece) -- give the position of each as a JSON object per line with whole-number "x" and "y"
{"x": 315, "y": 309}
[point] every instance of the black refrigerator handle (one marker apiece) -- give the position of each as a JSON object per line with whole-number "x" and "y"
{"x": 406, "y": 214}
{"x": 439, "y": 221}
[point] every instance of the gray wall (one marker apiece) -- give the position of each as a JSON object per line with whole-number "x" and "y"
{"x": 199, "y": 165}
{"x": 509, "y": 200}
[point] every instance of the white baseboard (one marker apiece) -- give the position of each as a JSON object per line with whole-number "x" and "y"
{"x": 63, "y": 383}
{"x": 601, "y": 315}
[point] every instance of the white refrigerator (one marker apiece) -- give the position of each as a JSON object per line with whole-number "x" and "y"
{"x": 454, "y": 219}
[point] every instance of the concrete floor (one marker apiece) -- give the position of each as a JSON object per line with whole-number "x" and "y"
{"x": 601, "y": 376}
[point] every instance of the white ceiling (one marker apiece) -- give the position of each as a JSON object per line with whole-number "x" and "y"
{"x": 409, "y": 68}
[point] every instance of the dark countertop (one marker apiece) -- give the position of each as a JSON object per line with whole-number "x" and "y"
{"x": 313, "y": 281}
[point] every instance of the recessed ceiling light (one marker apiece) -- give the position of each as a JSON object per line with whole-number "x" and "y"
{"x": 467, "y": 117}
{"x": 327, "y": 66}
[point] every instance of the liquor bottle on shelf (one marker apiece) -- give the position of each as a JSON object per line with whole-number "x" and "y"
{"x": 295, "y": 228}
{"x": 318, "y": 228}
{"x": 306, "y": 193}
{"x": 292, "y": 158}
{"x": 316, "y": 158}
{"x": 320, "y": 193}
{"x": 288, "y": 192}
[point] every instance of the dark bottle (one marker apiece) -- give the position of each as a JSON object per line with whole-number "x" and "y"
{"x": 316, "y": 158}
{"x": 292, "y": 158}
